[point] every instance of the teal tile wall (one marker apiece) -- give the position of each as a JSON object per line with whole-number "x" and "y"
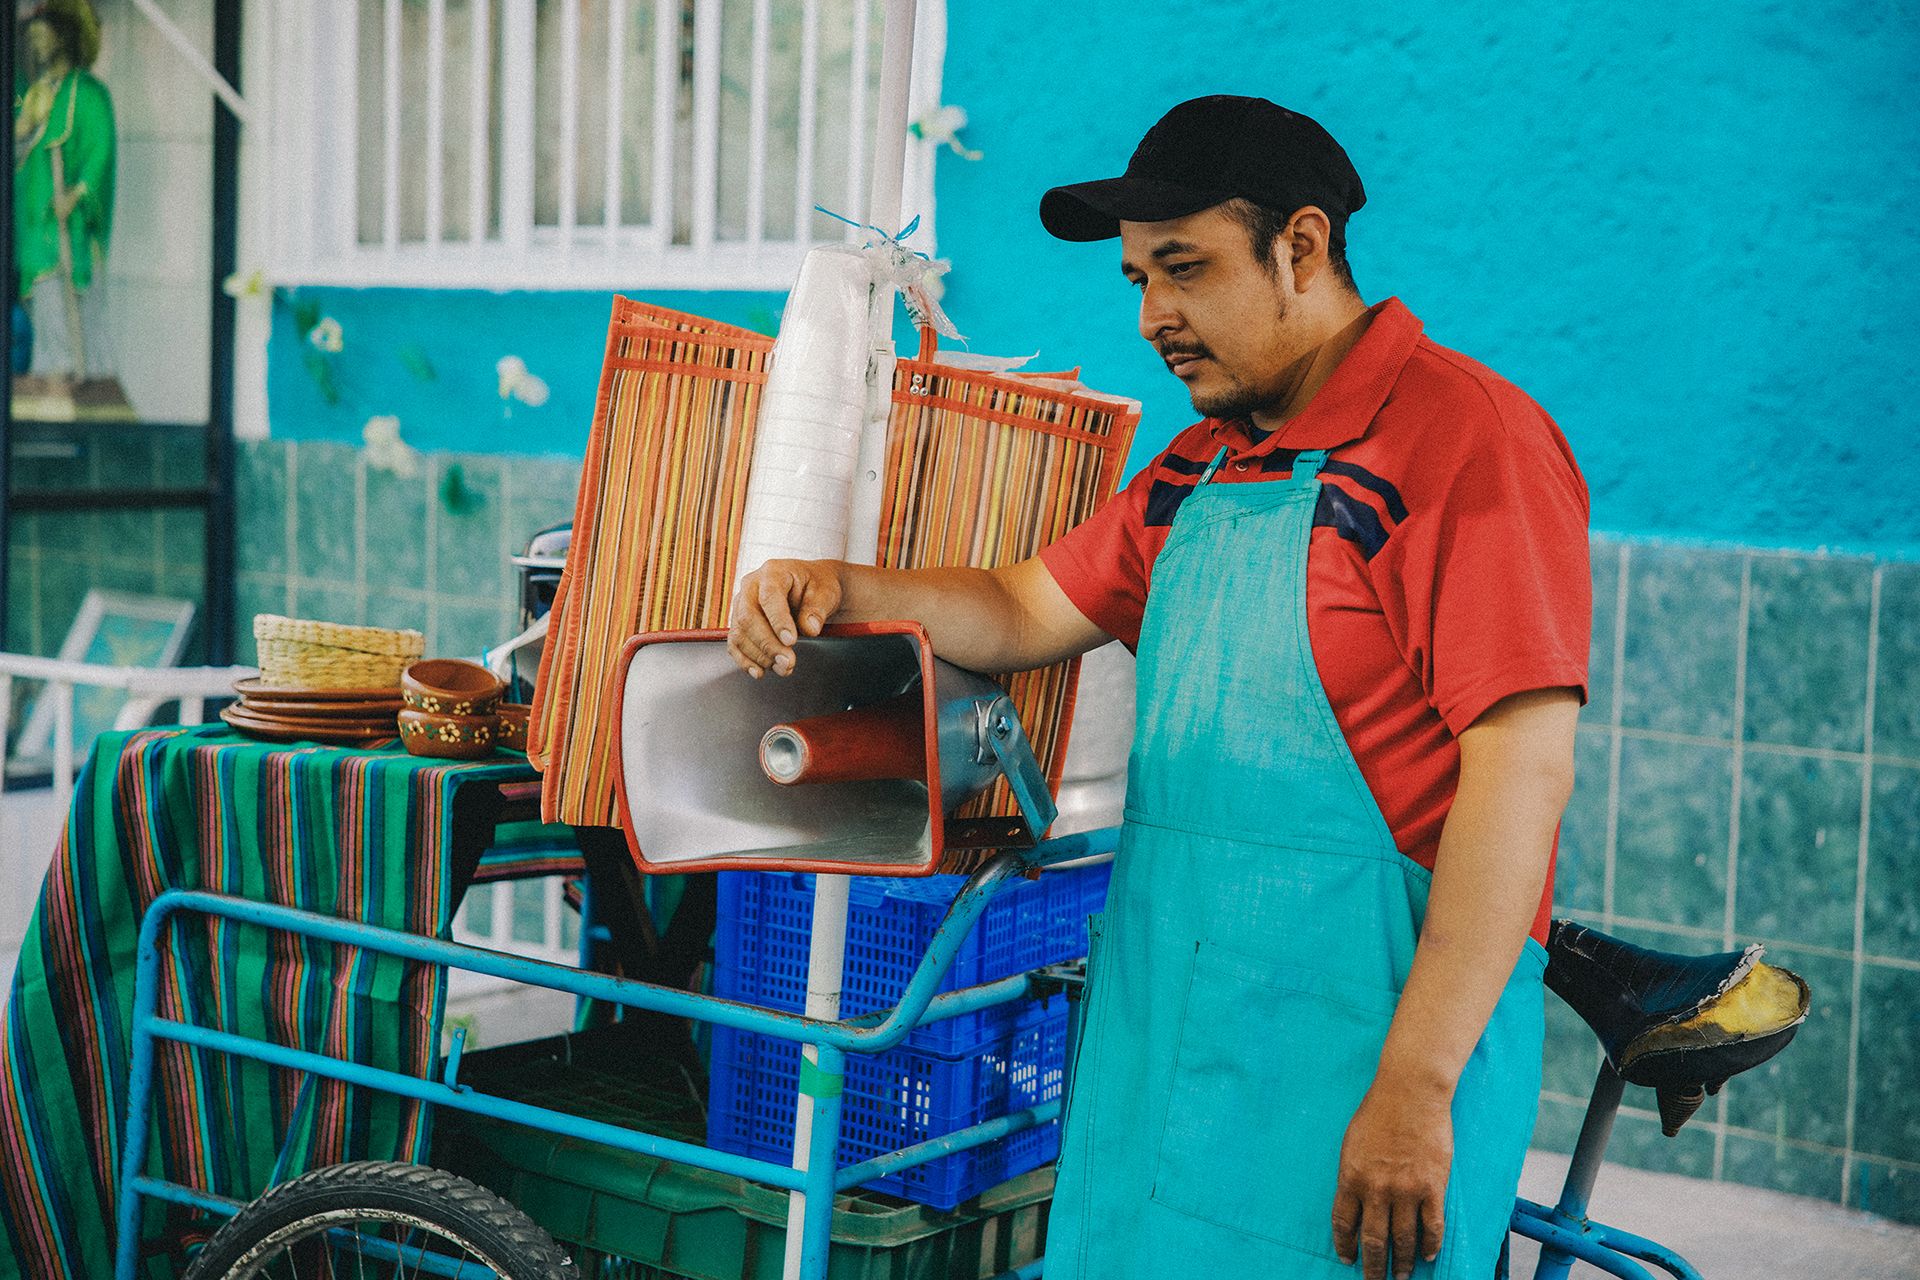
{"x": 1749, "y": 771}
{"x": 56, "y": 557}
{"x": 323, "y": 535}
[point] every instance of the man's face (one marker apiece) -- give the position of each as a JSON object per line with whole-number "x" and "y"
{"x": 1214, "y": 312}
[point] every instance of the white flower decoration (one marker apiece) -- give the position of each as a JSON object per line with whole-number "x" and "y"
{"x": 511, "y": 369}
{"x": 251, "y": 285}
{"x": 517, "y": 384}
{"x": 327, "y": 335}
{"x": 942, "y": 125}
{"x": 386, "y": 451}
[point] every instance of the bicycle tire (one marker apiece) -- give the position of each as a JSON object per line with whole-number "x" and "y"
{"x": 411, "y": 1197}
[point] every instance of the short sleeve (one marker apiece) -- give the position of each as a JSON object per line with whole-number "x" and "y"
{"x": 1492, "y": 572}
{"x": 1101, "y": 564}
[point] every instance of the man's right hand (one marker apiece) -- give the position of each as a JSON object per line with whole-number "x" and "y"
{"x": 1008, "y": 619}
{"x": 778, "y": 603}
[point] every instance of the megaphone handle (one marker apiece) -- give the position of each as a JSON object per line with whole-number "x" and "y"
{"x": 1014, "y": 754}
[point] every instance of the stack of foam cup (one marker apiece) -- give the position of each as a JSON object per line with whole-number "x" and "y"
{"x": 811, "y": 415}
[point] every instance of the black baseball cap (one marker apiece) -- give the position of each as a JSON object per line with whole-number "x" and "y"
{"x": 1208, "y": 151}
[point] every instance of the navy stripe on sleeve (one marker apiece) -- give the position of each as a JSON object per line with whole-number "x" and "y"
{"x": 1367, "y": 480}
{"x": 1351, "y": 518}
{"x": 1282, "y": 460}
{"x": 1163, "y": 502}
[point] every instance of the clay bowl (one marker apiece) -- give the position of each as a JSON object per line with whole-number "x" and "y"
{"x": 513, "y": 725}
{"x": 451, "y": 687}
{"x": 425, "y": 733}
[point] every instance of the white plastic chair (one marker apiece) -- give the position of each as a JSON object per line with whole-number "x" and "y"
{"x": 121, "y": 651}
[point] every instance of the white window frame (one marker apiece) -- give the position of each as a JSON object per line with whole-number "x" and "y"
{"x": 312, "y": 222}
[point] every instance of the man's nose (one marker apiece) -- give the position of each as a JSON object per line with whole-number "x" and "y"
{"x": 1157, "y": 317}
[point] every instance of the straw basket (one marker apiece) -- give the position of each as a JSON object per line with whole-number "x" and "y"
{"x": 296, "y": 653}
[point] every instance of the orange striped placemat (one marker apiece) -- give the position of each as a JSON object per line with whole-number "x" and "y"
{"x": 655, "y": 530}
{"x": 984, "y": 469}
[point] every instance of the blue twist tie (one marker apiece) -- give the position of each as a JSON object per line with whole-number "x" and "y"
{"x": 910, "y": 271}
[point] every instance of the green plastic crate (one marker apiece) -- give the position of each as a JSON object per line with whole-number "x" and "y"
{"x": 636, "y": 1217}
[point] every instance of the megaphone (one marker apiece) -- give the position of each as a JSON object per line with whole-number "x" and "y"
{"x": 851, "y": 764}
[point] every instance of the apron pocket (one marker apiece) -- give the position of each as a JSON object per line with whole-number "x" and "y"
{"x": 1272, "y": 1064}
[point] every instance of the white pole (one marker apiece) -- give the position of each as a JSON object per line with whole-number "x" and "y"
{"x": 884, "y": 211}
{"x": 827, "y": 954}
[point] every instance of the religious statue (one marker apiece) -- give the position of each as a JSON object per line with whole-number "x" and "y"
{"x": 63, "y": 180}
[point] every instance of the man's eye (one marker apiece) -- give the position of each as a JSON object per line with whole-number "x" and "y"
{"x": 1179, "y": 269}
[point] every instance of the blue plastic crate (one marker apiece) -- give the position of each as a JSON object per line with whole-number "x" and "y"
{"x": 764, "y": 936}
{"x": 898, "y": 1098}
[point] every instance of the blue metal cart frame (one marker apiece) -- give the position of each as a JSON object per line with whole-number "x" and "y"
{"x": 1565, "y": 1232}
{"x": 871, "y": 1033}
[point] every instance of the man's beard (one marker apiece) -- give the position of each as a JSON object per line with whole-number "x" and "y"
{"x": 1237, "y": 399}
{"x": 1229, "y": 403}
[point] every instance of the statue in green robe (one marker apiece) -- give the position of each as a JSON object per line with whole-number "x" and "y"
{"x": 63, "y": 192}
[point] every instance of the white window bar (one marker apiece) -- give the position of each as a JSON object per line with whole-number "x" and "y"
{"x": 666, "y": 83}
{"x": 757, "y": 129}
{"x": 706, "y": 122}
{"x": 479, "y": 122}
{"x": 437, "y": 120}
{"x": 518, "y": 32}
{"x": 289, "y": 220}
{"x": 553, "y": 906}
{"x": 616, "y": 95}
{"x": 346, "y": 184}
{"x": 390, "y": 173}
{"x": 809, "y": 95}
{"x": 569, "y": 123}
{"x": 857, "y": 122}
{"x": 500, "y": 928}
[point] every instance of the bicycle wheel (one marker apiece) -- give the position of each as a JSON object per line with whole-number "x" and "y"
{"x": 376, "y": 1220}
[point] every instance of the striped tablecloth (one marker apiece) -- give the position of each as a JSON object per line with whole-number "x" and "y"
{"x": 367, "y": 835}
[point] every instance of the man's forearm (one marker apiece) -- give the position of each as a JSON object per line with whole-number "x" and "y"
{"x": 1515, "y": 777}
{"x": 970, "y": 617}
{"x": 981, "y": 619}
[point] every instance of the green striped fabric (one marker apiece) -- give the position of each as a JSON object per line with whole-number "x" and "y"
{"x": 365, "y": 835}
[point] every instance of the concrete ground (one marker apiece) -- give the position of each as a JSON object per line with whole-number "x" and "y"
{"x": 1731, "y": 1232}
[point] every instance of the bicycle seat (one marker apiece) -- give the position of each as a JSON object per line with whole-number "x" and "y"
{"x": 1681, "y": 1025}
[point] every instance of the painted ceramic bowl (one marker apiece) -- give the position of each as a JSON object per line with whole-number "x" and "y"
{"x": 426, "y": 733}
{"x": 450, "y": 687}
{"x": 513, "y": 725}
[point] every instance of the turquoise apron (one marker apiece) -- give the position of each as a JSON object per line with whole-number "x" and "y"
{"x": 1255, "y": 940}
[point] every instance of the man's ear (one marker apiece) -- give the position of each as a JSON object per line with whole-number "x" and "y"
{"x": 1306, "y": 237}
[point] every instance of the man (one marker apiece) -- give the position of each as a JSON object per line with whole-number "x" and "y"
{"x": 1359, "y": 595}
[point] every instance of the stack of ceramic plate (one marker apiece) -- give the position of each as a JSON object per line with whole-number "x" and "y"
{"x": 287, "y": 714}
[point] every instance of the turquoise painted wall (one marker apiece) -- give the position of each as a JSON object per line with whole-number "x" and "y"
{"x": 1685, "y": 229}
{"x": 430, "y": 358}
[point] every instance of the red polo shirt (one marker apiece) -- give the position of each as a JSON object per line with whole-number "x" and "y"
{"x": 1447, "y": 567}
